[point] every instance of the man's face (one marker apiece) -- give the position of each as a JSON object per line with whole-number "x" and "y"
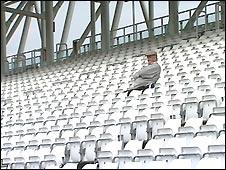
{"x": 151, "y": 59}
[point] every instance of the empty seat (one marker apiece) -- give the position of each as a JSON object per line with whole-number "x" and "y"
{"x": 180, "y": 164}
{"x": 206, "y": 108}
{"x": 216, "y": 120}
{"x": 189, "y": 110}
{"x": 72, "y": 152}
{"x": 192, "y": 153}
{"x": 210, "y": 163}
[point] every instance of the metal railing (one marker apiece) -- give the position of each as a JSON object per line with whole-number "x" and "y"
{"x": 161, "y": 29}
{"x": 27, "y": 60}
{"x": 36, "y": 58}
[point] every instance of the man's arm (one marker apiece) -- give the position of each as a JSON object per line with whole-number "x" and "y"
{"x": 150, "y": 71}
{"x": 136, "y": 75}
{"x": 140, "y": 72}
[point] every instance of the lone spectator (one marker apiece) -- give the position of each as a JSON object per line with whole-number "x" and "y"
{"x": 147, "y": 76}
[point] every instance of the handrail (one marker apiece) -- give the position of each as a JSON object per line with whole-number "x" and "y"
{"x": 161, "y": 18}
{"x": 165, "y": 25}
{"x": 160, "y": 30}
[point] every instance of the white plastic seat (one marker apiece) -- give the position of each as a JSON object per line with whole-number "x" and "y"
{"x": 17, "y": 165}
{"x": 206, "y": 108}
{"x": 154, "y": 165}
{"x": 109, "y": 165}
{"x": 48, "y": 164}
{"x": 189, "y": 110}
{"x": 70, "y": 165}
{"x": 112, "y": 147}
{"x": 114, "y": 130}
{"x": 210, "y": 163}
{"x": 52, "y": 135}
{"x": 215, "y": 150}
{"x": 15, "y": 152}
{"x": 131, "y": 165}
{"x": 62, "y": 122}
{"x": 67, "y": 133}
{"x": 44, "y": 149}
{"x": 156, "y": 122}
{"x": 133, "y": 146}
{"x": 216, "y": 120}
{"x": 82, "y": 133}
{"x": 144, "y": 156}
{"x": 173, "y": 124}
{"x": 88, "y": 147}
{"x": 125, "y": 128}
{"x": 73, "y": 152}
{"x": 194, "y": 122}
{"x": 32, "y": 165}
{"x": 58, "y": 150}
{"x": 154, "y": 145}
{"x": 140, "y": 125}
{"x": 180, "y": 164}
{"x": 90, "y": 166}
{"x": 29, "y": 151}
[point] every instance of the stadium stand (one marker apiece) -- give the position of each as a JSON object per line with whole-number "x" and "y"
{"x": 74, "y": 114}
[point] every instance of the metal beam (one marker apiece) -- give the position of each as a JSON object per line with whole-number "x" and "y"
{"x": 222, "y": 3}
{"x": 49, "y": 32}
{"x": 173, "y": 18}
{"x": 3, "y": 41}
{"x": 20, "y": 12}
{"x": 11, "y": 2}
{"x": 43, "y": 26}
{"x": 88, "y": 28}
{"x": 151, "y": 17}
{"x": 105, "y": 33}
{"x": 25, "y": 32}
{"x": 67, "y": 23}
{"x": 134, "y": 20}
{"x": 193, "y": 17}
{"x": 16, "y": 24}
{"x": 37, "y": 10}
{"x": 13, "y": 16}
{"x": 93, "y": 31}
{"x": 56, "y": 8}
{"x": 144, "y": 11}
{"x": 115, "y": 22}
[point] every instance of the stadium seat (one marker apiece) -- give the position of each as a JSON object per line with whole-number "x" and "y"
{"x": 75, "y": 112}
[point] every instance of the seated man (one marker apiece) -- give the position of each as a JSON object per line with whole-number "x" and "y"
{"x": 148, "y": 75}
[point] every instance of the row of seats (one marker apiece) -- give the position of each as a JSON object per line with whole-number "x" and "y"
{"x": 75, "y": 114}
{"x": 100, "y": 118}
{"x": 106, "y": 149}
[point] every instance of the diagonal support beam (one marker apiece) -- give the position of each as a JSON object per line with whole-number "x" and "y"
{"x": 16, "y": 24}
{"x": 115, "y": 22}
{"x": 88, "y": 28}
{"x": 11, "y": 2}
{"x": 145, "y": 13}
{"x": 193, "y": 17}
{"x": 67, "y": 23}
{"x": 21, "y": 12}
{"x": 25, "y": 32}
{"x": 13, "y": 16}
{"x": 56, "y": 8}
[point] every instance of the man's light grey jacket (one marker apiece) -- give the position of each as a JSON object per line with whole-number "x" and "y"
{"x": 147, "y": 75}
